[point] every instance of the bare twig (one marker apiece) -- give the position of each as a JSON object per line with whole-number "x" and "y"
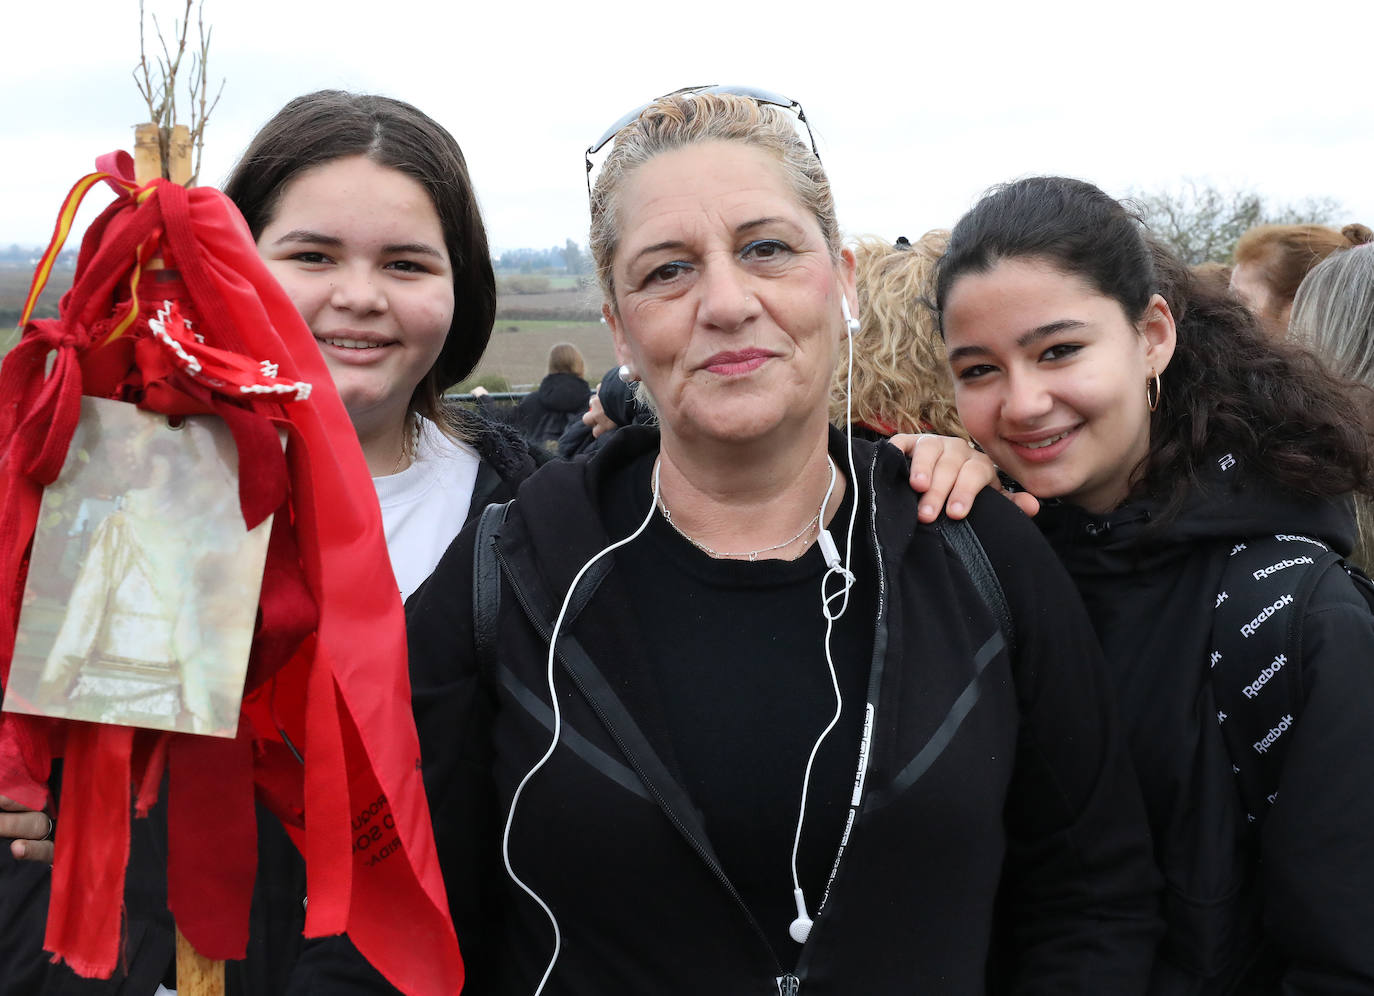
{"x": 160, "y": 93}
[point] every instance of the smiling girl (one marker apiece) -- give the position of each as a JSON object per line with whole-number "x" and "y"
{"x": 362, "y": 209}
{"x": 1095, "y": 371}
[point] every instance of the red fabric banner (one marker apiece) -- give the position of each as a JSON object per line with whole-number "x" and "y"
{"x": 172, "y": 310}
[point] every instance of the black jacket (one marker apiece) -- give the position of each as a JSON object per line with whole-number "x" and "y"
{"x": 1299, "y": 915}
{"x": 975, "y": 760}
{"x": 619, "y": 404}
{"x": 543, "y": 415}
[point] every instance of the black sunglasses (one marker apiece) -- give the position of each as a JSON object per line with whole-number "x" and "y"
{"x": 754, "y": 93}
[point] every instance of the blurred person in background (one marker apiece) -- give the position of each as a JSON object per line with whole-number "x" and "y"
{"x": 1271, "y": 261}
{"x": 1333, "y": 315}
{"x": 543, "y": 415}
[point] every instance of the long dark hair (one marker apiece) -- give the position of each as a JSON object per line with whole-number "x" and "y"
{"x": 331, "y": 124}
{"x": 1227, "y": 389}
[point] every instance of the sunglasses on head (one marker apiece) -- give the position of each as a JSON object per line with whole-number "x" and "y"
{"x": 753, "y": 93}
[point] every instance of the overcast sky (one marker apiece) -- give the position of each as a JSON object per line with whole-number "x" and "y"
{"x": 918, "y": 106}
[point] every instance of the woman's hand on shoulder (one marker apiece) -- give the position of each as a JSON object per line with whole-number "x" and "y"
{"x": 948, "y": 470}
{"x": 30, "y": 831}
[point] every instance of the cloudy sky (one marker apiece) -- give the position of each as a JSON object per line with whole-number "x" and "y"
{"x": 918, "y": 106}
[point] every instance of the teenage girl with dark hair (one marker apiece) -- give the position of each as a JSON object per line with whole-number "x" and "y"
{"x": 1096, "y": 371}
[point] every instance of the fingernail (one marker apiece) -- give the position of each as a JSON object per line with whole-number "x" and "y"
{"x": 927, "y": 510}
{"x": 956, "y": 508}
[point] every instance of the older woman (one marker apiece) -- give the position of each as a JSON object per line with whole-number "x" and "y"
{"x": 674, "y": 767}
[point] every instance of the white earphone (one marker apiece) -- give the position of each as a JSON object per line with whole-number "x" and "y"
{"x": 851, "y": 323}
{"x": 800, "y": 928}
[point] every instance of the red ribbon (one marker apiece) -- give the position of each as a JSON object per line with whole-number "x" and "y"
{"x": 328, "y": 667}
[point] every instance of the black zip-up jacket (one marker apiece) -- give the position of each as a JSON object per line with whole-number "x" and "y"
{"x": 982, "y": 772}
{"x": 1298, "y": 916}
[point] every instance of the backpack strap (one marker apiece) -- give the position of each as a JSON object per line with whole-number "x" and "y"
{"x": 486, "y": 585}
{"x": 1256, "y": 657}
{"x": 961, "y": 538}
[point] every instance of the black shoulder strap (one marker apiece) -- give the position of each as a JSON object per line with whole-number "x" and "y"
{"x": 1256, "y": 658}
{"x": 486, "y": 586}
{"x": 964, "y": 541}
{"x": 1363, "y": 584}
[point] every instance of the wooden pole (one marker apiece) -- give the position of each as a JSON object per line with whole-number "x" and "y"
{"x": 147, "y": 152}
{"x": 196, "y": 974}
{"x": 179, "y": 155}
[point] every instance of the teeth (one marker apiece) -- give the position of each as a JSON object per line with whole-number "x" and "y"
{"x": 1044, "y": 442}
{"x": 352, "y": 343}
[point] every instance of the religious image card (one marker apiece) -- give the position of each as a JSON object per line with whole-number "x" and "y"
{"x": 143, "y": 583}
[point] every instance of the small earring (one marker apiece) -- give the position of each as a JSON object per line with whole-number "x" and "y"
{"x": 1152, "y": 398}
{"x": 626, "y": 374}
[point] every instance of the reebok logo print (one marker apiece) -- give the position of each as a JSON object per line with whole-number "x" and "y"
{"x": 1282, "y": 565}
{"x": 1263, "y": 745}
{"x": 1253, "y": 689}
{"x": 1248, "y": 630}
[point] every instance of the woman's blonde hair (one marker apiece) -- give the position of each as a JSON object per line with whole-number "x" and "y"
{"x": 901, "y": 380}
{"x": 683, "y": 119}
{"x": 565, "y": 358}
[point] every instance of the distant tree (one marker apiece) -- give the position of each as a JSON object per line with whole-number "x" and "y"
{"x": 574, "y": 260}
{"x": 1202, "y": 223}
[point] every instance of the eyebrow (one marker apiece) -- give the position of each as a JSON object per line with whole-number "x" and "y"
{"x": 309, "y": 237}
{"x": 1025, "y": 339}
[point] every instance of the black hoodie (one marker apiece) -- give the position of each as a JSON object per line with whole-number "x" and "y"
{"x": 1299, "y": 915}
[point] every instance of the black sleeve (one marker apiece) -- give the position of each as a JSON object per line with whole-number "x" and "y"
{"x": 575, "y": 439}
{"x": 1079, "y": 906}
{"x": 453, "y": 710}
{"x": 1317, "y": 860}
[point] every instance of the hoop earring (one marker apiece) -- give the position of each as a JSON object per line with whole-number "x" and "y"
{"x": 1152, "y": 401}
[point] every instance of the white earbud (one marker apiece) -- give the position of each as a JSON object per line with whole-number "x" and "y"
{"x": 801, "y": 926}
{"x": 850, "y": 322}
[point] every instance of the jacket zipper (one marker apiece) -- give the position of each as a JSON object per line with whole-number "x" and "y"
{"x": 542, "y": 628}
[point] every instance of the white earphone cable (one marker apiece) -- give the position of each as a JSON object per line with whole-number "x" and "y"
{"x": 557, "y": 731}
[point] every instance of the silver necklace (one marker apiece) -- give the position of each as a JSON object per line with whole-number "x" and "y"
{"x": 750, "y": 555}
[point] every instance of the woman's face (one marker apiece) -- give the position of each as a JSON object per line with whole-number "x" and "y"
{"x": 1050, "y": 375}
{"x": 727, "y": 298}
{"x": 360, "y": 250}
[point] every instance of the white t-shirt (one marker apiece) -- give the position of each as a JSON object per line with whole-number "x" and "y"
{"x": 425, "y": 505}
